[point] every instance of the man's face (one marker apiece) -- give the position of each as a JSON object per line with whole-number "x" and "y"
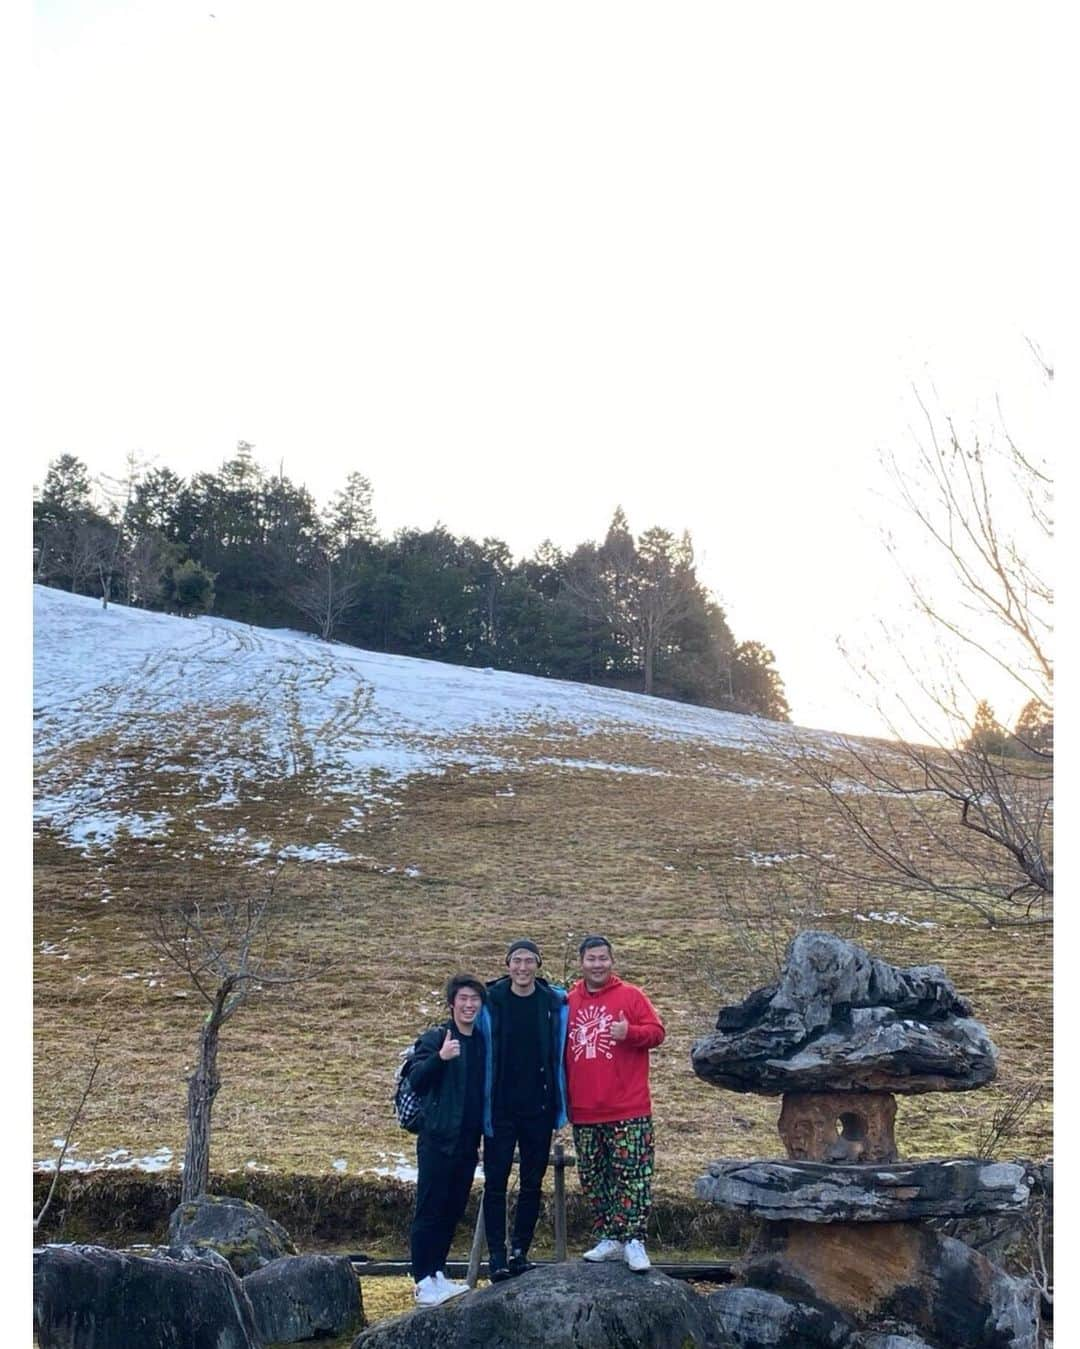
{"x": 523, "y": 966}
{"x": 596, "y": 966}
{"x": 466, "y": 1005}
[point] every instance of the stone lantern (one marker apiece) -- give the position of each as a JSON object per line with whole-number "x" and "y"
{"x": 844, "y": 1241}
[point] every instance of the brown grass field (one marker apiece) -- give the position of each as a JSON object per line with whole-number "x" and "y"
{"x": 657, "y": 863}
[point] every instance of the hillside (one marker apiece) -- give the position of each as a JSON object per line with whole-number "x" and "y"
{"x": 423, "y": 814}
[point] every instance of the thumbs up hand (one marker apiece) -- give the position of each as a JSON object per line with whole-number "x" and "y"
{"x": 620, "y": 1027}
{"x": 450, "y": 1048}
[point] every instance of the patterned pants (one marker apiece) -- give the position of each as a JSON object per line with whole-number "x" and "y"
{"x": 615, "y": 1166}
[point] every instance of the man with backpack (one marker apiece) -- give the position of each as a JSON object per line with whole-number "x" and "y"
{"x": 450, "y": 1072}
{"x": 526, "y": 1017}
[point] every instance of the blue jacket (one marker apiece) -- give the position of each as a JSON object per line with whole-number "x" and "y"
{"x": 492, "y": 1021}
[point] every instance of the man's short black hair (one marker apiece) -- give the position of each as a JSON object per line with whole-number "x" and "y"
{"x": 460, "y": 981}
{"x": 592, "y": 941}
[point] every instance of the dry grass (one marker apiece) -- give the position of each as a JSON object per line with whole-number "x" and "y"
{"x": 658, "y": 863}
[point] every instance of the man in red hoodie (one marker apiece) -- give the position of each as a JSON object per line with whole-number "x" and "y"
{"x": 612, "y": 1026}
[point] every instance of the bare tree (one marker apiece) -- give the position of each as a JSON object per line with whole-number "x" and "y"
{"x": 331, "y": 588}
{"x": 225, "y": 947}
{"x": 119, "y": 493}
{"x": 947, "y": 811}
{"x": 143, "y": 566}
{"x": 92, "y": 549}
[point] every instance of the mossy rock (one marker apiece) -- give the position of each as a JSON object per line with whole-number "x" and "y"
{"x": 240, "y": 1231}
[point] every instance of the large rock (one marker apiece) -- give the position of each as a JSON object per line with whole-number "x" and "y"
{"x": 304, "y": 1297}
{"x": 566, "y": 1306}
{"x": 901, "y": 1272}
{"x": 841, "y": 1020}
{"x": 753, "y": 1319}
{"x": 815, "y": 1192}
{"x": 87, "y": 1297}
{"x": 243, "y": 1233}
{"x": 889, "y": 1341}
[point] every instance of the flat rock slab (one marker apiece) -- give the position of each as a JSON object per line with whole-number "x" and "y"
{"x": 899, "y": 1272}
{"x": 89, "y": 1297}
{"x": 815, "y": 1192}
{"x": 841, "y": 1020}
{"x": 304, "y": 1297}
{"x": 566, "y": 1306}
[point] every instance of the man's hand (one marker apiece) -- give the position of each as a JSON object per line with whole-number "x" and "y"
{"x": 619, "y": 1028}
{"x": 450, "y": 1048}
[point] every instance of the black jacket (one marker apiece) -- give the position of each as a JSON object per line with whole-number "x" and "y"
{"x": 440, "y": 1083}
{"x": 553, "y": 1023}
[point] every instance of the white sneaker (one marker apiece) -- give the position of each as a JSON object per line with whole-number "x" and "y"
{"x": 428, "y": 1292}
{"x": 636, "y": 1256}
{"x": 449, "y": 1287}
{"x": 607, "y": 1249}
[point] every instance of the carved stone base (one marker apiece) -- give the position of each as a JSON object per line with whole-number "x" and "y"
{"x": 837, "y": 1126}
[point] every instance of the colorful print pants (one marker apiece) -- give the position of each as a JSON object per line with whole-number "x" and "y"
{"x": 615, "y": 1166}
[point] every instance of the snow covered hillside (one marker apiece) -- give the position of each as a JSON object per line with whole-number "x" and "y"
{"x": 208, "y": 710}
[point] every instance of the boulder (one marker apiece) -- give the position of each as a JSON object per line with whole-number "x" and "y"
{"x": 889, "y": 1272}
{"x": 816, "y": 1192}
{"x": 243, "y": 1233}
{"x": 889, "y": 1341}
{"x": 566, "y": 1306}
{"x": 304, "y": 1297}
{"x": 753, "y": 1319}
{"x": 841, "y": 1020}
{"x": 88, "y": 1297}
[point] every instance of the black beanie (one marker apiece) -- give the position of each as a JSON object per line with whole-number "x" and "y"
{"x": 524, "y": 944}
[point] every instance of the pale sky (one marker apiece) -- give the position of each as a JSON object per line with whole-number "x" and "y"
{"x": 519, "y": 264}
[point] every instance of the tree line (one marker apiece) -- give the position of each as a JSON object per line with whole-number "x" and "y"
{"x": 628, "y": 613}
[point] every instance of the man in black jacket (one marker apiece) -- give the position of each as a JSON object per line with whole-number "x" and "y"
{"x": 450, "y": 1073}
{"x": 527, "y": 1017}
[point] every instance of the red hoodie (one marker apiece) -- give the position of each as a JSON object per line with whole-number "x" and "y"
{"x": 608, "y": 1079}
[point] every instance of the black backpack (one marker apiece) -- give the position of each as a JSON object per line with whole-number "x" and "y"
{"x": 408, "y": 1107}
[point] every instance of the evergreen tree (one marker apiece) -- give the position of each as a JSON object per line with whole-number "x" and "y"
{"x": 190, "y": 588}
{"x": 987, "y": 735}
{"x": 1035, "y": 730}
{"x": 350, "y": 521}
{"x": 757, "y": 685}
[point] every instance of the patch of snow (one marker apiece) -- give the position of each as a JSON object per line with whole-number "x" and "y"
{"x": 605, "y": 767}
{"x": 116, "y": 1159}
{"x": 318, "y": 852}
{"x": 771, "y": 859}
{"x": 400, "y": 1171}
{"x": 893, "y": 918}
{"x": 222, "y": 707}
{"x": 340, "y": 1164}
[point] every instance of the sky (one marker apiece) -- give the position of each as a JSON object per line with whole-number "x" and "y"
{"x": 520, "y": 265}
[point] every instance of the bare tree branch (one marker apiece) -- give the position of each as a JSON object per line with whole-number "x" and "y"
{"x": 71, "y": 1129}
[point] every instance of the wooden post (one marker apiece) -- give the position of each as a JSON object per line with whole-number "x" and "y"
{"x": 472, "y": 1274}
{"x": 559, "y": 1160}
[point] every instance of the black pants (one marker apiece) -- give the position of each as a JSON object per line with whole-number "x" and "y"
{"x": 442, "y": 1191}
{"x": 533, "y": 1139}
